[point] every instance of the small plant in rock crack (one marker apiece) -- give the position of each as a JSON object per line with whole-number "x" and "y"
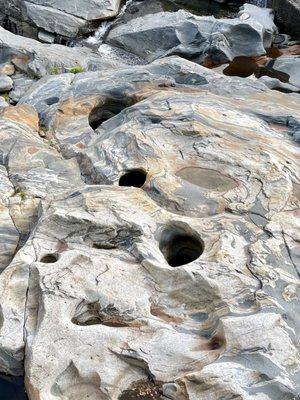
{"x": 75, "y": 70}
{"x": 32, "y": 75}
{"x": 22, "y": 196}
{"x": 51, "y": 142}
{"x": 6, "y": 97}
{"x": 56, "y": 71}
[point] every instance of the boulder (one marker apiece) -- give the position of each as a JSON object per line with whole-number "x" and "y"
{"x": 194, "y": 37}
{"x": 290, "y": 66}
{"x": 276, "y": 84}
{"x": 22, "y": 83}
{"x": 68, "y": 18}
{"x": 6, "y": 83}
{"x": 265, "y": 17}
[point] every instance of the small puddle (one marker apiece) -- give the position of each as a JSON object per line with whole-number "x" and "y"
{"x": 12, "y": 388}
{"x": 207, "y": 178}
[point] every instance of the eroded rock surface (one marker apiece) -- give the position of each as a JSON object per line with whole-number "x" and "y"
{"x": 151, "y": 239}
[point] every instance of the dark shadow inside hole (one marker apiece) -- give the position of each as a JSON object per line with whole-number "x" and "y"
{"x": 52, "y": 100}
{"x": 12, "y": 388}
{"x": 180, "y": 248}
{"x": 135, "y": 177}
{"x": 216, "y": 343}
{"x": 49, "y": 258}
{"x": 106, "y": 111}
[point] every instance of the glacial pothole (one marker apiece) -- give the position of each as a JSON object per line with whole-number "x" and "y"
{"x": 180, "y": 248}
{"x": 49, "y": 258}
{"x": 104, "y": 112}
{"x": 216, "y": 343}
{"x": 134, "y": 177}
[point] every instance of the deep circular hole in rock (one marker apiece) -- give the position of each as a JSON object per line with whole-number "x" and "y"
{"x": 216, "y": 343}
{"x": 134, "y": 177}
{"x": 180, "y": 247}
{"x": 49, "y": 258}
{"x": 103, "y": 112}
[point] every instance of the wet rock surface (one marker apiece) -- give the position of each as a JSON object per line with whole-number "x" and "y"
{"x": 149, "y": 239}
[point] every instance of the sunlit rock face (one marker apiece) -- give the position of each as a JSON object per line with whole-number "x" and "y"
{"x": 150, "y": 237}
{"x": 194, "y": 37}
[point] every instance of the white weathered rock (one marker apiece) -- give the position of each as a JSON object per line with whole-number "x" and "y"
{"x": 264, "y": 16}
{"x": 185, "y": 287}
{"x": 276, "y": 84}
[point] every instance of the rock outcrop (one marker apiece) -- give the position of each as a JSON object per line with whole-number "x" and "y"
{"x": 149, "y": 208}
{"x": 182, "y": 286}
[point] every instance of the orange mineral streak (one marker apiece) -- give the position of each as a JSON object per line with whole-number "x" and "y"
{"x": 23, "y": 114}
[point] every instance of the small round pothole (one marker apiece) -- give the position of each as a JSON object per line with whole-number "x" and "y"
{"x": 180, "y": 247}
{"x": 133, "y": 177}
{"x": 103, "y": 112}
{"x": 49, "y": 258}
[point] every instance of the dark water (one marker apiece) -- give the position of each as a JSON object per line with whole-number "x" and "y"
{"x": 12, "y": 388}
{"x": 200, "y": 7}
{"x": 137, "y": 8}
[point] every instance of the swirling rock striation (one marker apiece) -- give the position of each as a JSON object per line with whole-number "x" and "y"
{"x": 154, "y": 239}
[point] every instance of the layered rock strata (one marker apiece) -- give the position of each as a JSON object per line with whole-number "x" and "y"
{"x": 154, "y": 239}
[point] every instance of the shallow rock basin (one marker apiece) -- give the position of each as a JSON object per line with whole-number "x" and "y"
{"x": 207, "y": 178}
